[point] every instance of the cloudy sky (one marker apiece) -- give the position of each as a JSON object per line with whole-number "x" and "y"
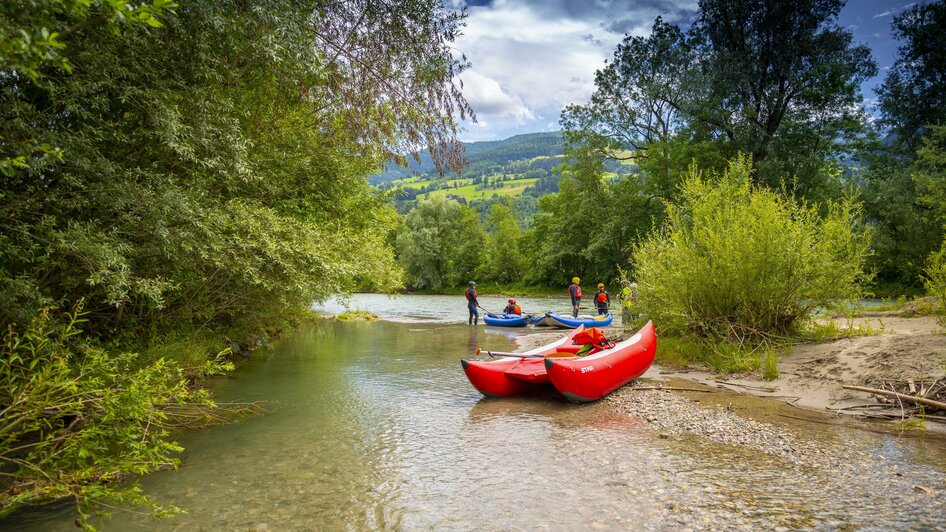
{"x": 532, "y": 57}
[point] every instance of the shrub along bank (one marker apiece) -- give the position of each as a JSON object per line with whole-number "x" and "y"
{"x": 738, "y": 267}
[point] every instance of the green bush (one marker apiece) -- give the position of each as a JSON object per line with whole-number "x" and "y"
{"x": 739, "y": 261}
{"x": 935, "y": 279}
{"x": 75, "y": 419}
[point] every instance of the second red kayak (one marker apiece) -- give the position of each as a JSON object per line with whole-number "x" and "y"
{"x": 592, "y": 377}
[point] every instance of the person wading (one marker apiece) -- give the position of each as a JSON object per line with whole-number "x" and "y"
{"x": 574, "y": 290}
{"x": 472, "y": 303}
{"x": 602, "y": 300}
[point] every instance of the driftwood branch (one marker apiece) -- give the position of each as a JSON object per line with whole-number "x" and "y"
{"x": 672, "y": 389}
{"x": 919, "y": 400}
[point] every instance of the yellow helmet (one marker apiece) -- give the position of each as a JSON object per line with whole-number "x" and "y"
{"x": 576, "y": 280}
{"x": 600, "y": 285}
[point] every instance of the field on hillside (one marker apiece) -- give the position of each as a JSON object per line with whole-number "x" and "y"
{"x": 465, "y": 188}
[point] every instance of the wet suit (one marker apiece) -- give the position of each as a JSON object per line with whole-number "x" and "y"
{"x": 604, "y": 305}
{"x": 471, "y": 304}
{"x": 575, "y": 292}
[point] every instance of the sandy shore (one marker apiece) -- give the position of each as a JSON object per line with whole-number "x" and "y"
{"x": 811, "y": 375}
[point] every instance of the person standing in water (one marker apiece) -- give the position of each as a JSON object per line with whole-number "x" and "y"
{"x": 574, "y": 290}
{"x": 472, "y": 303}
{"x": 602, "y": 300}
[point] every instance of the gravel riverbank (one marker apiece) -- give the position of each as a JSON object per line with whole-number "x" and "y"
{"x": 673, "y": 414}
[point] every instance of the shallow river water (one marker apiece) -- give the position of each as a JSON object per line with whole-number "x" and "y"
{"x": 374, "y": 426}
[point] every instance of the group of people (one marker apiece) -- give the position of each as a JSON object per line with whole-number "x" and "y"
{"x": 602, "y": 300}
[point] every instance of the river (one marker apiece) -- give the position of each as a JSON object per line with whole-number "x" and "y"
{"x": 372, "y": 425}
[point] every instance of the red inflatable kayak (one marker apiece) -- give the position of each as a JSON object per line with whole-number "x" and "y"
{"x": 594, "y": 376}
{"x": 514, "y": 375}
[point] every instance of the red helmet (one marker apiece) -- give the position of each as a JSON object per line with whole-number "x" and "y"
{"x": 512, "y": 301}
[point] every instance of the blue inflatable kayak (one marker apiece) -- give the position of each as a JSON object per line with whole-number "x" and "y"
{"x": 507, "y": 320}
{"x": 567, "y": 322}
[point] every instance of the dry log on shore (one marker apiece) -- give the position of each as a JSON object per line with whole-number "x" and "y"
{"x": 672, "y": 389}
{"x": 898, "y": 395}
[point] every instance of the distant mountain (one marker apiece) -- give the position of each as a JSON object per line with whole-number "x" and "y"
{"x": 488, "y": 157}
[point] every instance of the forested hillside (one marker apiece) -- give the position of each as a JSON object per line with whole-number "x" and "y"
{"x": 482, "y": 157}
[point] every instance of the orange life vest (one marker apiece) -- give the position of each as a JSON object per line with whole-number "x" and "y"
{"x": 602, "y": 297}
{"x": 577, "y": 291}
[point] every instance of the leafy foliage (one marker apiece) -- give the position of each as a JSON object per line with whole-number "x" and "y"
{"x": 738, "y": 261}
{"x": 183, "y": 169}
{"x": 912, "y": 95}
{"x": 440, "y": 244}
{"x": 929, "y": 173}
{"x": 935, "y": 279}
{"x": 213, "y": 167}
{"x": 77, "y": 418}
{"x": 777, "y": 80}
{"x": 588, "y": 228}
{"x": 504, "y": 260}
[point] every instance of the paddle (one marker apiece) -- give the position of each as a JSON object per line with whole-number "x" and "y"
{"x": 488, "y": 313}
{"x": 520, "y": 355}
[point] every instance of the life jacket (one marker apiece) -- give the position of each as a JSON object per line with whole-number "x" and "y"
{"x": 512, "y": 309}
{"x": 594, "y": 337}
{"x": 601, "y": 297}
{"x": 577, "y": 291}
{"x": 469, "y": 296}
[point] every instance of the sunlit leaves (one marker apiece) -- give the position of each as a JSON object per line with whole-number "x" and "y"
{"x": 738, "y": 260}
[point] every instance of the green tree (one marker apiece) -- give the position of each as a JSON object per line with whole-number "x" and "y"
{"x": 903, "y": 172}
{"x": 777, "y": 80}
{"x": 785, "y": 82}
{"x": 213, "y": 166}
{"x": 504, "y": 261}
{"x": 929, "y": 173}
{"x": 192, "y": 168}
{"x": 912, "y": 96}
{"x": 440, "y": 244}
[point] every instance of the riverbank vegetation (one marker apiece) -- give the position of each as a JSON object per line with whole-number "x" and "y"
{"x": 193, "y": 173}
{"x": 741, "y": 262}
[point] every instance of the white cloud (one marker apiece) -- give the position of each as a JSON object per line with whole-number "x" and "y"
{"x": 884, "y": 14}
{"x": 532, "y": 57}
{"x": 487, "y": 97}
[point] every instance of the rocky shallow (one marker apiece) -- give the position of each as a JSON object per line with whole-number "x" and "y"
{"x": 673, "y": 414}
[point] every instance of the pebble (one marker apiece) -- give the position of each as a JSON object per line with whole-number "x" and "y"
{"x": 674, "y": 415}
